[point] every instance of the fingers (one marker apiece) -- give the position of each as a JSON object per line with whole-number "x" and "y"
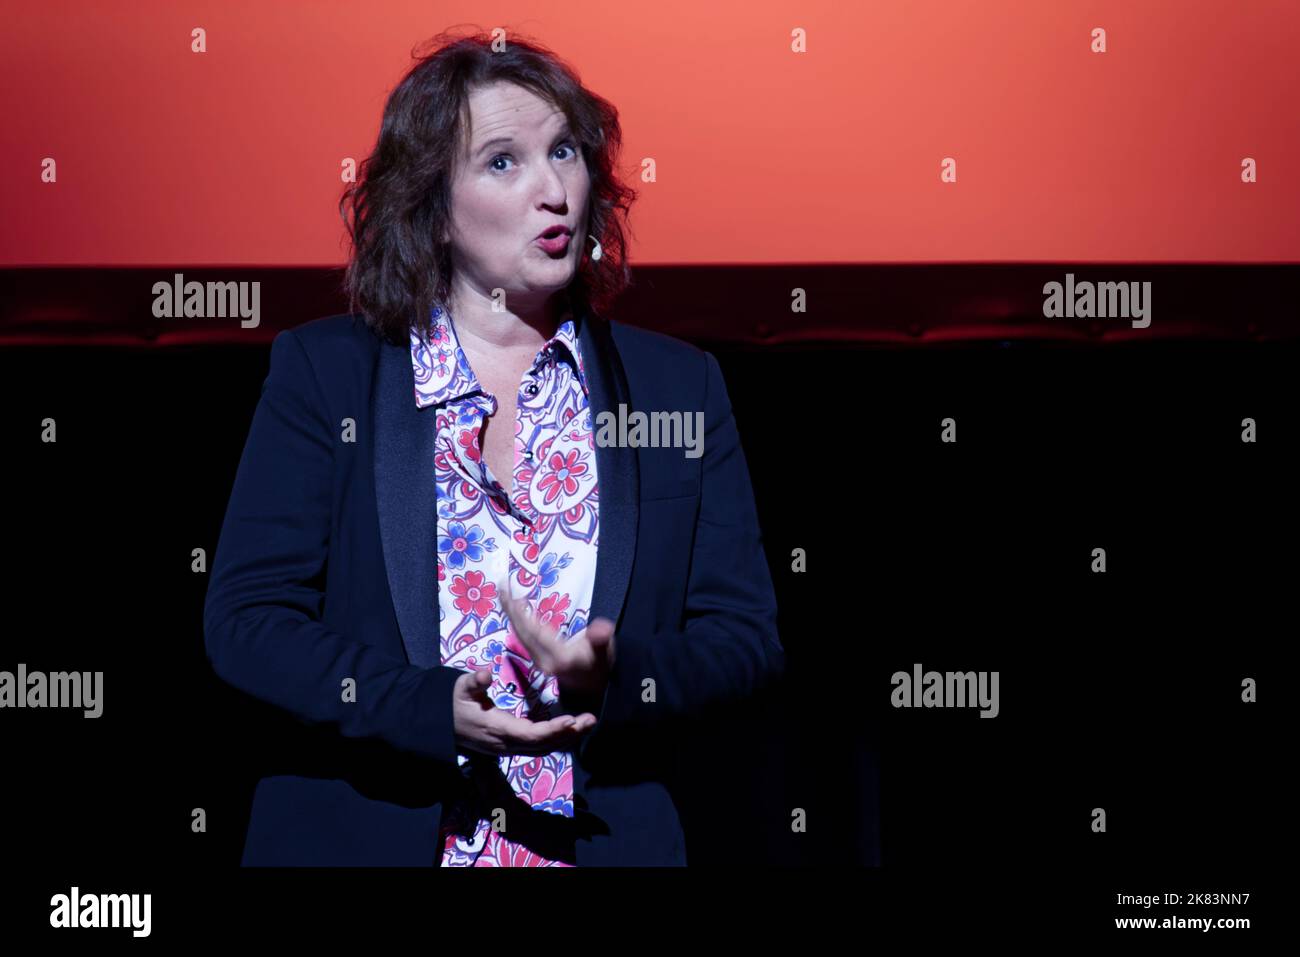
{"x": 475, "y": 684}
{"x": 599, "y": 626}
{"x": 538, "y": 639}
{"x": 600, "y": 635}
{"x": 522, "y": 736}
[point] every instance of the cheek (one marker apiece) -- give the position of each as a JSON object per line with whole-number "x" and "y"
{"x": 491, "y": 237}
{"x": 485, "y": 218}
{"x": 580, "y": 191}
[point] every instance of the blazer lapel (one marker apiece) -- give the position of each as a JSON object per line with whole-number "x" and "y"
{"x": 617, "y": 474}
{"x": 407, "y": 500}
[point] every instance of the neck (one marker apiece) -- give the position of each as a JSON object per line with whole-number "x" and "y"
{"x": 522, "y": 328}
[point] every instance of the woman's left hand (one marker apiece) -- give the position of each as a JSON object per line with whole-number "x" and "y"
{"x": 581, "y": 663}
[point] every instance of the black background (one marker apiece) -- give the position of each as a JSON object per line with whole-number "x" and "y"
{"x": 1120, "y": 691}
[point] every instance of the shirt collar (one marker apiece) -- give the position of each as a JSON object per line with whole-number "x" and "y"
{"x": 442, "y": 372}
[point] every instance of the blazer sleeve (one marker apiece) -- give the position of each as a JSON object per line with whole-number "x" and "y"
{"x": 261, "y": 617}
{"x": 729, "y": 647}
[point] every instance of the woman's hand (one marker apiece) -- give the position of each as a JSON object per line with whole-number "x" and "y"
{"x": 582, "y": 663}
{"x": 481, "y": 726}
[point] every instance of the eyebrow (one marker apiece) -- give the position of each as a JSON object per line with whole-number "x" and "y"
{"x": 507, "y": 140}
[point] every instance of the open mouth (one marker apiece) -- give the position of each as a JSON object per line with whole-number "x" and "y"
{"x": 554, "y": 240}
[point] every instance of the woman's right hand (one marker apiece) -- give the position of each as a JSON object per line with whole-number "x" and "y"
{"x": 483, "y": 727}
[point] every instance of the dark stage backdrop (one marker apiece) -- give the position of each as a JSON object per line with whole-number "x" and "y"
{"x": 1119, "y": 690}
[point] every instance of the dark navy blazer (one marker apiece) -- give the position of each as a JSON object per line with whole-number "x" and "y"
{"x": 325, "y": 571}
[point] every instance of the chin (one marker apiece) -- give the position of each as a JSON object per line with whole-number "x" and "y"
{"x": 555, "y": 278}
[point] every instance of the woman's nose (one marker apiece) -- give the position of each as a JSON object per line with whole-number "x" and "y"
{"x": 552, "y": 191}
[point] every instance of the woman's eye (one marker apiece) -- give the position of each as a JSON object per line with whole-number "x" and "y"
{"x": 503, "y": 156}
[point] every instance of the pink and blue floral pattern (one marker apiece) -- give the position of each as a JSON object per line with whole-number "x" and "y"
{"x": 540, "y": 533}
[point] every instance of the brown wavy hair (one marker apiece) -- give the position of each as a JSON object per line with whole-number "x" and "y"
{"x": 399, "y": 268}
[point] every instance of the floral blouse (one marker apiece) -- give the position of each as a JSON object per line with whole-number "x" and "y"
{"x": 539, "y": 531}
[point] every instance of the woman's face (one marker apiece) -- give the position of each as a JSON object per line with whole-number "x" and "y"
{"x": 519, "y": 174}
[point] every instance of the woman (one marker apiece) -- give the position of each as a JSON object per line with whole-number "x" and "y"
{"x": 492, "y": 617}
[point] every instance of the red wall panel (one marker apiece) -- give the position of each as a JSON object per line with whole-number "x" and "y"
{"x": 166, "y": 156}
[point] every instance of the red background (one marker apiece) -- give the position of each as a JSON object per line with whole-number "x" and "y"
{"x": 232, "y": 157}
